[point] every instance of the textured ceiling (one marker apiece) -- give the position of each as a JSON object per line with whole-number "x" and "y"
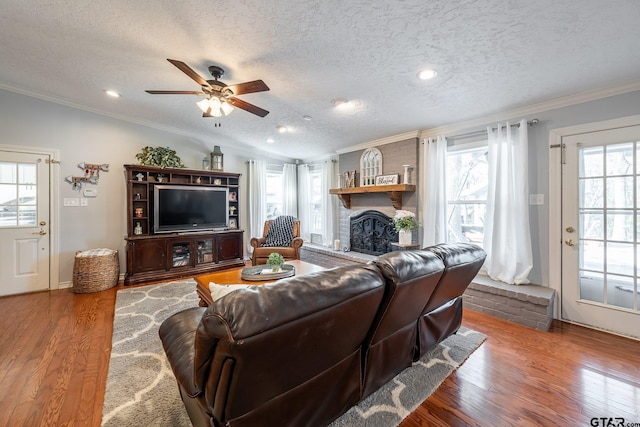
{"x": 491, "y": 55}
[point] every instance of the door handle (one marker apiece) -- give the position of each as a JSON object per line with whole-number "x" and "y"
{"x": 41, "y": 232}
{"x": 569, "y": 242}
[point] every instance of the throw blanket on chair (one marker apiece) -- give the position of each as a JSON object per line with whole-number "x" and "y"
{"x": 281, "y": 231}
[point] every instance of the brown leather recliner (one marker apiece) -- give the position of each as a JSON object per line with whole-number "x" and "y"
{"x": 442, "y": 316}
{"x": 261, "y": 253}
{"x": 411, "y": 278}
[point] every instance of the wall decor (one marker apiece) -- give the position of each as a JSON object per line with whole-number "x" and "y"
{"x": 217, "y": 159}
{"x": 350, "y": 179}
{"x": 91, "y": 175}
{"x": 390, "y": 179}
{"x": 370, "y": 166}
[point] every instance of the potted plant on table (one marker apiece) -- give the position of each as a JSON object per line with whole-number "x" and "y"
{"x": 275, "y": 260}
{"x": 404, "y": 222}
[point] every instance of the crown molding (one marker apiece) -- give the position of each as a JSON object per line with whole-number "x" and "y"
{"x": 248, "y": 151}
{"x": 552, "y": 104}
{"x": 381, "y": 141}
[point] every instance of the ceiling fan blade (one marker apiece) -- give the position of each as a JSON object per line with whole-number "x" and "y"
{"x": 174, "y": 92}
{"x": 247, "y": 107}
{"x": 249, "y": 87}
{"x": 189, "y": 72}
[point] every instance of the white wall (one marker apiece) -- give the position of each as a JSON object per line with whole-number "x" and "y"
{"x": 82, "y": 136}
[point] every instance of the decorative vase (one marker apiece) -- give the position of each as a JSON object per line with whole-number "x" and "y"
{"x": 404, "y": 237}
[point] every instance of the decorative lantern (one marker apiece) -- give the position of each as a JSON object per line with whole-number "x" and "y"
{"x": 217, "y": 159}
{"x": 205, "y": 163}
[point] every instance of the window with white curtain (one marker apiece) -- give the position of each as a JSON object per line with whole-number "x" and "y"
{"x": 467, "y": 184}
{"x": 315, "y": 196}
{"x": 275, "y": 191}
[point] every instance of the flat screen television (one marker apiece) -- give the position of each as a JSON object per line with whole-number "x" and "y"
{"x": 179, "y": 208}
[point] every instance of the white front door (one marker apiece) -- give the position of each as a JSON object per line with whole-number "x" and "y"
{"x": 601, "y": 230}
{"x": 24, "y": 222}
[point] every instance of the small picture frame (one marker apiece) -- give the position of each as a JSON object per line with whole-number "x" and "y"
{"x": 233, "y": 223}
{"x": 233, "y": 196}
{"x": 390, "y": 179}
{"x": 217, "y": 181}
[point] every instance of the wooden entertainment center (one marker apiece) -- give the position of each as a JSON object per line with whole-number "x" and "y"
{"x": 163, "y": 256}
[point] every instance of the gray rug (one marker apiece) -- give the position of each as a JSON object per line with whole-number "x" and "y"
{"x": 142, "y": 391}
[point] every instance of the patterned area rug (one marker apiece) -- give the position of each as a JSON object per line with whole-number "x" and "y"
{"x": 142, "y": 391}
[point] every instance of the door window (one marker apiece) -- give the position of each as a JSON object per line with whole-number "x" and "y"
{"x": 18, "y": 200}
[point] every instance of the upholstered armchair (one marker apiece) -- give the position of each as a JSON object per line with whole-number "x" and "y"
{"x": 281, "y": 235}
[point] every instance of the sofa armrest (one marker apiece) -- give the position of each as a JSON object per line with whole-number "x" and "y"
{"x": 297, "y": 242}
{"x": 257, "y": 242}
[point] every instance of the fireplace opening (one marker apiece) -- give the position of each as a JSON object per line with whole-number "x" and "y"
{"x": 371, "y": 232}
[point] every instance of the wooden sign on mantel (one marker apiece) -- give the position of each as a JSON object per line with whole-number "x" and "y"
{"x": 390, "y": 179}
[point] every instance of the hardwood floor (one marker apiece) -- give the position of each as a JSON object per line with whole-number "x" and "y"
{"x": 55, "y": 346}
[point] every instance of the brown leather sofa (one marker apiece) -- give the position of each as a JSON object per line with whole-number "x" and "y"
{"x": 303, "y": 350}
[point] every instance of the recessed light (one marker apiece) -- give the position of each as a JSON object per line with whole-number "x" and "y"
{"x": 281, "y": 129}
{"x": 270, "y": 140}
{"x": 338, "y": 102}
{"x": 427, "y": 74}
{"x": 112, "y": 93}
{"x": 306, "y": 117}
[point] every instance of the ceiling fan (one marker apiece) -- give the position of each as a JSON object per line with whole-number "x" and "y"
{"x": 220, "y": 98}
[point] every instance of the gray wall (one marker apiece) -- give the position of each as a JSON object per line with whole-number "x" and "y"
{"x": 82, "y": 136}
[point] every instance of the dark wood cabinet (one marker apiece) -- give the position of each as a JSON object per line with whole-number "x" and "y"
{"x": 163, "y": 256}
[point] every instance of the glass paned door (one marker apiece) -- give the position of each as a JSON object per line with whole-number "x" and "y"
{"x": 600, "y": 230}
{"x": 24, "y": 222}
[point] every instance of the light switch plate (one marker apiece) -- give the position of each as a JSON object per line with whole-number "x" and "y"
{"x": 84, "y": 202}
{"x": 71, "y": 201}
{"x": 536, "y": 199}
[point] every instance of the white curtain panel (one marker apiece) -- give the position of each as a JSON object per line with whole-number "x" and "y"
{"x": 290, "y": 190}
{"x": 435, "y": 191}
{"x": 304, "y": 202}
{"x": 257, "y": 198}
{"x": 328, "y": 203}
{"x": 507, "y": 238}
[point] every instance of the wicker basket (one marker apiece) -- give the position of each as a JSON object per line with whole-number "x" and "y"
{"x": 95, "y": 270}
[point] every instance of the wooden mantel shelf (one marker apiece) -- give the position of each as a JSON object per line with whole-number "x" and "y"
{"x": 394, "y": 192}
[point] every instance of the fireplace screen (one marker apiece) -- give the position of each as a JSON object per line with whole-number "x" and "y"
{"x": 371, "y": 232}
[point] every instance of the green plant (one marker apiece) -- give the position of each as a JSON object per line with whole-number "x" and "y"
{"x": 163, "y": 157}
{"x": 275, "y": 260}
{"x": 404, "y": 220}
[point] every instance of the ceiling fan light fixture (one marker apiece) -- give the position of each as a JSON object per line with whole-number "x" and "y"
{"x": 226, "y": 108}
{"x": 203, "y": 105}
